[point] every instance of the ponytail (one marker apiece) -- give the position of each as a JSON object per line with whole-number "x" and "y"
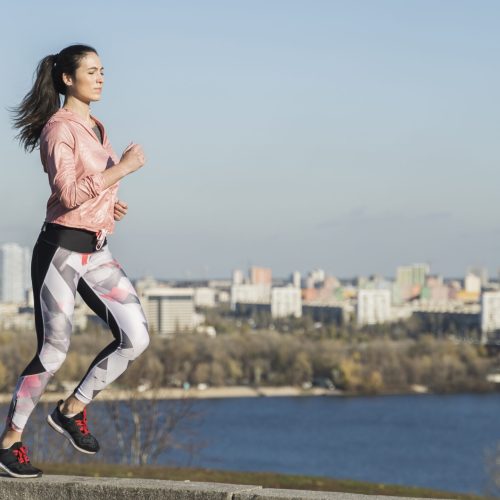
{"x": 43, "y": 100}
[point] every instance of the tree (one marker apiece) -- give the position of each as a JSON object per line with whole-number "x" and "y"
{"x": 147, "y": 428}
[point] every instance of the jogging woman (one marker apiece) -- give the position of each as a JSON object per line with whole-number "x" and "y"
{"x": 71, "y": 253}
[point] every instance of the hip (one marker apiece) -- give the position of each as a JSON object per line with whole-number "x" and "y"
{"x": 74, "y": 239}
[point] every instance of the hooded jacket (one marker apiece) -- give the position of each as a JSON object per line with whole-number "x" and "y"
{"x": 74, "y": 159}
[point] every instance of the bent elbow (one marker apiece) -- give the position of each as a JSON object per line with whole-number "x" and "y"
{"x": 68, "y": 201}
{"x": 74, "y": 194}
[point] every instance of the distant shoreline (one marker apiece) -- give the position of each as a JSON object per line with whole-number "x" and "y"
{"x": 191, "y": 393}
{"x": 220, "y": 393}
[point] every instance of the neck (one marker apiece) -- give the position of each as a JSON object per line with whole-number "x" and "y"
{"x": 79, "y": 107}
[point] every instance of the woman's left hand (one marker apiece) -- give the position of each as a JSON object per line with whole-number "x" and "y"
{"x": 120, "y": 210}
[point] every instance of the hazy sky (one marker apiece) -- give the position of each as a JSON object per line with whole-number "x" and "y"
{"x": 348, "y": 135}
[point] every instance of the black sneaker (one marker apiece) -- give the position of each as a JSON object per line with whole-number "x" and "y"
{"x": 16, "y": 463}
{"x": 75, "y": 429}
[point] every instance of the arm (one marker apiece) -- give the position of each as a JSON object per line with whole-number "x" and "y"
{"x": 115, "y": 173}
{"x": 132, "y": 159}
{"x": 57, "y": 149}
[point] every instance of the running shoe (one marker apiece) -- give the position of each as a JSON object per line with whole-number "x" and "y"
{"x": 16, "y": 463}
{"x": 74, "y": 429}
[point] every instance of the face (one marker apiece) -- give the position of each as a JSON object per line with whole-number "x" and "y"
{"x": 86, "y": 84}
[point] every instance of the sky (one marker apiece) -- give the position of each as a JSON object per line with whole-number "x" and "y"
{"x": 352, "y": 136}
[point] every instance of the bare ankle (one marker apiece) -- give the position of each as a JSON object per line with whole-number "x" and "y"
{"x": 9, "y": 437}
{"x": 71, "y": 406}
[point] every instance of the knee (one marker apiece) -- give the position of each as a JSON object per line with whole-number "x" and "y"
{"x": 52, "y": 358}
{"x": 139, "y": 341}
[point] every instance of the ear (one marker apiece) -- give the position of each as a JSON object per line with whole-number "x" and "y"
{"x": 67, "y": 79}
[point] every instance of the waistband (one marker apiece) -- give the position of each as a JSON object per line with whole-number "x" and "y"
{"x": 71, "y": 238}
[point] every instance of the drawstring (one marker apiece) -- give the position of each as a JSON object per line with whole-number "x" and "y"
{"x": 101, "y": 236}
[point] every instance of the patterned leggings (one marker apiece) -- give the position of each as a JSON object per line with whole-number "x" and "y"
{"x": 57, "y": 273}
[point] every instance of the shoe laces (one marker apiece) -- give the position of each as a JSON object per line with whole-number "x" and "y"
{"x": 22, "y": 455}
{"x": 82, "y": 422}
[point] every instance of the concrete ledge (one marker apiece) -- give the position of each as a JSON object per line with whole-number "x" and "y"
{"x": 277, "y": 494}
{"x": 85, "y": 488}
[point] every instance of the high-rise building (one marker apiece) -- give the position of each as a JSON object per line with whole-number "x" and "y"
{"x": 286, "y": 301}
{"x": 316, "y": 277}
{"x": 170, "y": 310}
{"x": 472, "y": 283}
{"x": 415, "y": 274}
{"x": 296, "y": 279}
{"x": 14, "y": 272}
{"x": 481, "y": 273}
{"x": 374, "y": 306}
{"x": 410, "y": 281}
{"x": 238, "y": 277}
{"x": 260, "y": 275}
{"x": 435, "y": 291}
{"x": 490, "y": 312}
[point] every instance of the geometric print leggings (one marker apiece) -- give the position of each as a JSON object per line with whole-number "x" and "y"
{"x": 57, "y": 274}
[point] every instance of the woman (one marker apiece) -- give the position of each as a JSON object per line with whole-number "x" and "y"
{"x": 71, "y": 253}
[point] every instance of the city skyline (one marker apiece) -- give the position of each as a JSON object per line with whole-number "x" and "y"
{"x": 348, "y": 136}
{"x": 426, "y": 270}
{"x": 172, "y": 307}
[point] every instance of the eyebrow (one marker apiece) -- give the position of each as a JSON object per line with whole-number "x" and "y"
{"x": 95, "y": 67}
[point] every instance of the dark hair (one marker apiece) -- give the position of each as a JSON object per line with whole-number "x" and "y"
{"x": 43, "y": 100}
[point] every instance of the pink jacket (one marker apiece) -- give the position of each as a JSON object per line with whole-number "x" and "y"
{"x": 74, "y": 160}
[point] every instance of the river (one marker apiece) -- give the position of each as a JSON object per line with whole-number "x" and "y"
{"x": 436, "y": 441}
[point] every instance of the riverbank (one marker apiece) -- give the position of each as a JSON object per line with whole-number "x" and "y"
{"x": 194, "y": 393}
{"x": 111, "y": 394}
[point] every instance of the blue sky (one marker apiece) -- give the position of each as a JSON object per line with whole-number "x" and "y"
{"x": 352, "y": 136}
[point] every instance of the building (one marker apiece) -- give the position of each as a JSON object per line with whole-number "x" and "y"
{"x": 286, "y": 301}
{"x": 435, "y": 291}
{"x": 204, "y": 296}
{"x": 374, "y": 306}
{"x": 328, "y": 314}
{"x": 481, "y": 273}
{"x": 223, "y": 297}
{"x": 410, "y": 280}
{"x": 472, "y": 283}
{"x": 250, "y": 294}
{"x": 261, "y": 275}
{"x": 317, "y": 276}
{"x": 415, "y": 274}
{"x": 296, "y": 279}
{"x": 490, "y": 312}
{"x": 14, "y": 273}
{"x": 170, "y": 310}
{"x": 238, "y": 277}
{"x": 462, "y": 319}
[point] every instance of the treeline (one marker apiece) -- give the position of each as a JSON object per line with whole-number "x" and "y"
{"x": 357, "y": 364}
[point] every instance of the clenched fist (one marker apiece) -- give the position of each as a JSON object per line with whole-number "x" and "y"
{"x": 120, "y": 210}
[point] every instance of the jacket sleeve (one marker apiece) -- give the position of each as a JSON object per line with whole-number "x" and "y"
{"x": 57, "y": 147}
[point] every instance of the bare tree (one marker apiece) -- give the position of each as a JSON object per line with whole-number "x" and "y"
{"x": 145, "y": 429}
{"x": 136, "y": 431}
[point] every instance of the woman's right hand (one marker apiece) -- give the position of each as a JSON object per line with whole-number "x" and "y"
{"x": 133, "y": 157}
